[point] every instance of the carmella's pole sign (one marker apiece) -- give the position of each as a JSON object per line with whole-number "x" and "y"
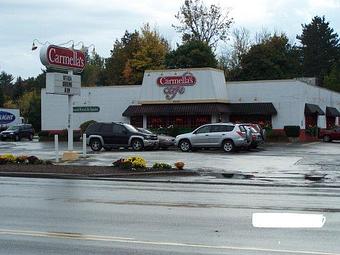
{"x": 176, "y": 84}
{"x": 62, "y": 58}
{"x": 62, "y": 84}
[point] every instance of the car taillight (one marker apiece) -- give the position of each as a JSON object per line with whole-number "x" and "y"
{"x": 241, "y": 133}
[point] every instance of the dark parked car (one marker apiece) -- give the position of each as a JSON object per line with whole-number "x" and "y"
{"x": 115, "y": 135}
{"x": 165, "y": 141}
{"x": 18, "y": 132}
{"x": 330, "y": 134}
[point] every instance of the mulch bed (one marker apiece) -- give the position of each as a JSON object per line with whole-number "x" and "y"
{"x": 88, "y": 171}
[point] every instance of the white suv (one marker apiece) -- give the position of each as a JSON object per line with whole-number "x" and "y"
{"x": 227, "y": 136}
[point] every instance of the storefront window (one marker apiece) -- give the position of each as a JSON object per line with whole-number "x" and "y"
{"x": 177, "y": 121}
{"x": 265, "y": 121}
{"x": 330, "y": 122}
{"x": 136, "y": 121}
{"x": 311, "y": 124}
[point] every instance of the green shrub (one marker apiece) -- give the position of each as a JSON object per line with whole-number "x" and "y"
{"x": 292, "y": 131}
{"x": 276, "y": 136}
{"x": 164, "y": 166}
{"x": 62, "y": 135}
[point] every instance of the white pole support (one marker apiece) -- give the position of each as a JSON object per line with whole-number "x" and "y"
{"x": 69, "y": 125}
{"x": 84, "y": 145}
{"x": 56, "y": 147}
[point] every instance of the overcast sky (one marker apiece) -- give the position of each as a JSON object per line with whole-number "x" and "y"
{"x": 102, "y": 21}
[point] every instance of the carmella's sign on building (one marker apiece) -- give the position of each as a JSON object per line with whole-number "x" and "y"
{"x": 62, "y": 58}
{"x": 176, "y": 84}
{"x": 63, "y": 84}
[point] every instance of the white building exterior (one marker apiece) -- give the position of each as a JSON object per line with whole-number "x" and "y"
{"x": 204, "y": 87}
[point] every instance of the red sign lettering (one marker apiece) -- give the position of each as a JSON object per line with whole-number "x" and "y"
{"x": 175, "y": 84}
{"x": 63, "y": 58}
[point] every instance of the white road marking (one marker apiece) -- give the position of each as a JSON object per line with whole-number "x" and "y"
{"x": 288, "y": 220}
{"x": 116, "y": 239}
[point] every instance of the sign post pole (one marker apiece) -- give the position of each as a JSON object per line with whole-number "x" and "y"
{"x": 69, "y": 125}
{"x": 69, "y": 121}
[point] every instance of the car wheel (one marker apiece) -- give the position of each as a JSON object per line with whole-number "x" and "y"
{"x": 228, "y": 146}
{"x": 137, "y": 144}
{"x": 326, "y": 138}
{"x": 96, "y": 144}
{"x": 30, "y": 137}
{"x": 184, "y": 145}
{"x": 17, "y": 138}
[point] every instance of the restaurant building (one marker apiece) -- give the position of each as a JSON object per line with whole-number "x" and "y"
{"x": 188, "y": 98}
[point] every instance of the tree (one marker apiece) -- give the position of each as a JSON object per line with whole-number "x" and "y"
{"x": 230, "y": 60}
{"x": 6, "y": 83}
{"x": 2, "y": 97}
{"x": 275, "y": 58}
{"x": 6, "y": 79}
{"x": 150, "y": 55}
{"x": 34, "y": 116}
{"x": 18, "y": 88}
{"x": 92, "y": 74}
{"x": 30, "y": 108}
{"x": 122, "y": 51}
{"x": 320, "y": 46}
{"x": 241, "y": 45}
{"x": 191, "y": 54}
{"x": 201, "y": 23}
{"x": 332, "y": 80}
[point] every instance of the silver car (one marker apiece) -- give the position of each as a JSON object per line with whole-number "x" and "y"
{"x": 227, "y": 136}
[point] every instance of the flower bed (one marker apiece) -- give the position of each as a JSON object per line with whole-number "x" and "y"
{"x": 139, "y": 164}
{"x": 23, "y": 160}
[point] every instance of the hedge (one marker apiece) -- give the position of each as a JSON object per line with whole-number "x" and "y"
{"x": 292, "y": 131}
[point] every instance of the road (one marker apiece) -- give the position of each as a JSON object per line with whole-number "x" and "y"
{"x": 42, "y": 216}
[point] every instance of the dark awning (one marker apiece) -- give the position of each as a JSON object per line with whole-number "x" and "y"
{"x": 200, "y": 109}
{"x": 176, "y": 109}
{"x": 313, "y": 109}
{"x": 332, "y": 112}
{"x": 253, "y": 109}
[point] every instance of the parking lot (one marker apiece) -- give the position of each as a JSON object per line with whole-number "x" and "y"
{"x": 274, "y": 163}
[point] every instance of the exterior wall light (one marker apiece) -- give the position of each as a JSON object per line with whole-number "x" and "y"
{"x": 34, "y": 46}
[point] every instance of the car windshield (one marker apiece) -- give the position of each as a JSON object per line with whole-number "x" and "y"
{"x": 13, "y": 128}
{"x": 252, "y": 129}
{"x": 130, "y": 128}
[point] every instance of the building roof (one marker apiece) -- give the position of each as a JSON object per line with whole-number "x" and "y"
{"x": 332, "y": 112}
{"x": 200, "y": 109}
{"x": 311, "y": 109}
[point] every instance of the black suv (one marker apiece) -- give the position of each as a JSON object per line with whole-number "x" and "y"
{"x": 17, "y": 132}
{"x": 114, "y": 135}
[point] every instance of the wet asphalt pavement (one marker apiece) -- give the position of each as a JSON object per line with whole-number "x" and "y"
{"x": 42, "y": 216}
{"x": 273, "y": 164}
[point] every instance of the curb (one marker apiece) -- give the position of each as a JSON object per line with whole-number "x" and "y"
{"x": 124, "y": 179}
